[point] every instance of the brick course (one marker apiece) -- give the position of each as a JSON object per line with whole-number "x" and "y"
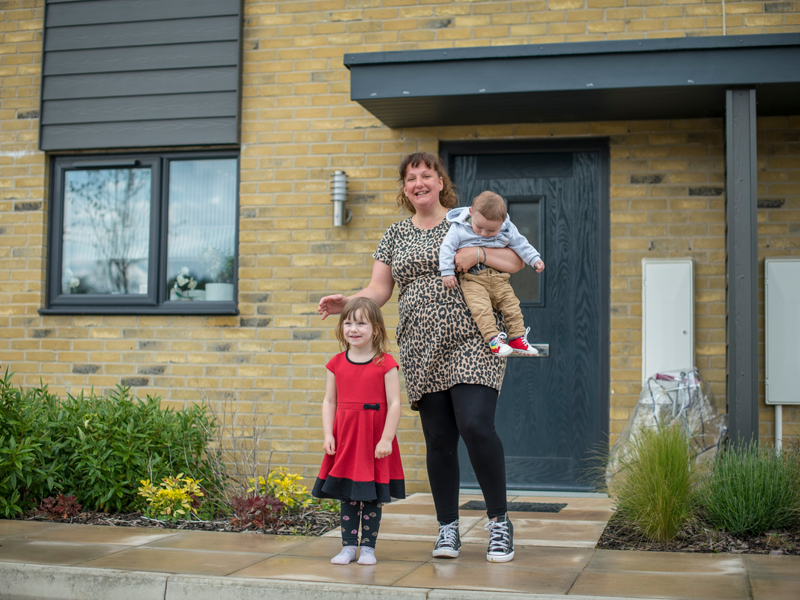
{"x": 298, "y": 125}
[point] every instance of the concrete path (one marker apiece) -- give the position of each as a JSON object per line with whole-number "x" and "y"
{"x": 555, "y": 557}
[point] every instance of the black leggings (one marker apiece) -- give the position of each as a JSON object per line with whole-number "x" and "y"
{"x": 466, "y": 410}
{"x": 366, "y": 514}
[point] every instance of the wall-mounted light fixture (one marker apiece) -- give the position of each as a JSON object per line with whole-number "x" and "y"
{"x": 341, "y": 215}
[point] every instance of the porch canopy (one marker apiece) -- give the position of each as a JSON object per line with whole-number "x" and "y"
{"x": 680, "y": 78}
{"x": 675, "y": 78}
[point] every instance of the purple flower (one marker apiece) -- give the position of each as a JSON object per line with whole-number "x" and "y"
{"x": 366, "y": 518}
{"x": 345, "y": 518}
{"x": 354, "y": 532}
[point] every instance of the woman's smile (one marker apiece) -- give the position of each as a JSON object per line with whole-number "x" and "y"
{"x": 422, "y": 186}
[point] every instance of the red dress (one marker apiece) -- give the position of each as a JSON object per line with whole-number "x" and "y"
{"x": 353, "y": 473}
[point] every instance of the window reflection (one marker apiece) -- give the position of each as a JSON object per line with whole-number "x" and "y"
{"x": 106, "y": 231}
{"x": 202, "y": 230}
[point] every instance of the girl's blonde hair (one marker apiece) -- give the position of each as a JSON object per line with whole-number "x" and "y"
{"x": 447, "y": 197}
{"x": 370, "y": 312}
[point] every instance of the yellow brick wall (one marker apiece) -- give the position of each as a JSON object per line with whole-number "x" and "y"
{"x": 298, "y": 125}
{"x": 778, "y": 235}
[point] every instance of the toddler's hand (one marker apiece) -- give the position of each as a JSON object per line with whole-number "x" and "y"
{"x": 383, "y": 449}
{"x": 539, "y": 266}
{"x": 450, "y": 281}
{"x": 329, "y": 445}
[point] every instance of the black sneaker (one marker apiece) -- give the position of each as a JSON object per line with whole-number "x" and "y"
{"x": 448, "y": 545}
{"x": 501, "y": 540}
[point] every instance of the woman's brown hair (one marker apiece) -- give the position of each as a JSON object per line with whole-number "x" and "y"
{"x": 372, "y": 313}
{"x": 447, "y": 197}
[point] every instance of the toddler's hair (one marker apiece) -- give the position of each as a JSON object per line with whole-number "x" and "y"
{"x": 372, "y": 313}
{"x": 490, "y": 205}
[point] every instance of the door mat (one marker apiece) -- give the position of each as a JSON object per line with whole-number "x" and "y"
{"x": 517, "y": 506}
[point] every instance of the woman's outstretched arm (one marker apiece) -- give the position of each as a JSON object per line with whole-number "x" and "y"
{"x": 502, "y": 259}
{"x": 379, "y": 289}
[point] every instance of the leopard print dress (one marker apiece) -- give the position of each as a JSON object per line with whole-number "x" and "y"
{"x": 440, "y": 344}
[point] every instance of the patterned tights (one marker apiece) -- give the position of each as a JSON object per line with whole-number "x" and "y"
{"x": 369, "y": 516}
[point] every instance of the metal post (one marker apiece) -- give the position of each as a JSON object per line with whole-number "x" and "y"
{"x": 742, "y": 264}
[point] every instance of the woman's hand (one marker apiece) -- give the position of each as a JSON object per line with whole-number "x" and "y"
{"x": 383, "y": 449}
{"x": 468, "y": 257}
{"x": 329, "y": 445}
{"x": 332, "y": 305}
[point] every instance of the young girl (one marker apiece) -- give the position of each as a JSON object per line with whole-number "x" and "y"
{"x": 360, "y": 414}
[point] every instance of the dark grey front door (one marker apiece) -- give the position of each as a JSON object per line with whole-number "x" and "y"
{"x": 552, "y": 413}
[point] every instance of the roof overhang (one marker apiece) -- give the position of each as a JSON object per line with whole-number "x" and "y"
{"x": 590, "y": 81}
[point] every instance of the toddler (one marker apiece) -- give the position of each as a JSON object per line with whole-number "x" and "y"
{"x": 486, "y": 225}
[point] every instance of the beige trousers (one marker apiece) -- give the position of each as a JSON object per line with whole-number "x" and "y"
{"x": 487, "y": 290}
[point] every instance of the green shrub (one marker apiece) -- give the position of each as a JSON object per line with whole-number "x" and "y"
{"x": 96, "y": 448}
{"x": 173, "y": 500}
{"x": 285, "y": 487}
{"x": 752, "y": 490}
{"x": 27, "y": 467}
{"x": 653, "y": 488}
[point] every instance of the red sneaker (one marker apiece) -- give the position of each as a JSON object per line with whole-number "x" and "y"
{"x": 520, "y": 346}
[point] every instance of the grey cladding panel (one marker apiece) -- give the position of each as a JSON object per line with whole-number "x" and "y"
{"x": 140, "y": 73}
{"x": 60, "y": 14}
{"x": 177, "y": 56}
{"x": 140, "y": 108}
{"x": 142, "y": 33}
{"x": 139, "y": 134}
{"x": 145, "y": 82}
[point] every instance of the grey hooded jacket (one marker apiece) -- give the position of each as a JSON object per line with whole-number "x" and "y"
{"x": 461, "y": 235}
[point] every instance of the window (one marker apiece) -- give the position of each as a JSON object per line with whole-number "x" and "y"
{"x": 526, "y": 213}
{"x": 144, "y": 234}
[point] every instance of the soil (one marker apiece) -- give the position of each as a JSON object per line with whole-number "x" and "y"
{"x": 308, "y": 522}
{"x": 695, "y": 537}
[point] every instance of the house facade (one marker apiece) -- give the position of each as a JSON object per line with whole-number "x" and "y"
{"x": 166, "y": 214}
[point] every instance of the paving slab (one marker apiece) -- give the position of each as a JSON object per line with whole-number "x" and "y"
{"x": 98, "y": 534}
{"x": 15, "y": 528}
{"x": 488, "y": 577}
{"x": 308, "y": 568}
{"x": 170, "y": 560}
{"x": 669, "y": 562}
{"x": 24, "y": 550}
{"x": 219, "y": 541}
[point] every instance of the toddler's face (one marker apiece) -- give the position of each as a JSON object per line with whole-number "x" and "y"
{"x": 483, "y": 226}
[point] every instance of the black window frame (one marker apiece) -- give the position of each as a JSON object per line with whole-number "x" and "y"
{"x": 156, "y": 301}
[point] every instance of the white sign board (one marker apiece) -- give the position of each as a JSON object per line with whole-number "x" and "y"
{"x": 782, "y": 330}
{"x": 667, "y": 315}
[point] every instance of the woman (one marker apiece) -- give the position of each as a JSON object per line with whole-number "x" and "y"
{"x": 451, "y": 376}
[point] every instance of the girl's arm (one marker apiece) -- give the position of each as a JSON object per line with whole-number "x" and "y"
{"x": 329, "y": 414}
{"x": 502, "y": 259}
{"x": 392, "y": 382}
{"x": 379, "y": 289}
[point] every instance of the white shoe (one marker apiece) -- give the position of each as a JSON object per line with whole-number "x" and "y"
{"x": 498, "y": 345}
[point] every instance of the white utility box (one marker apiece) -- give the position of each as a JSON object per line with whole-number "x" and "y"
{"x": 782, "y": 330}
{"x": 667, "y": 315}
